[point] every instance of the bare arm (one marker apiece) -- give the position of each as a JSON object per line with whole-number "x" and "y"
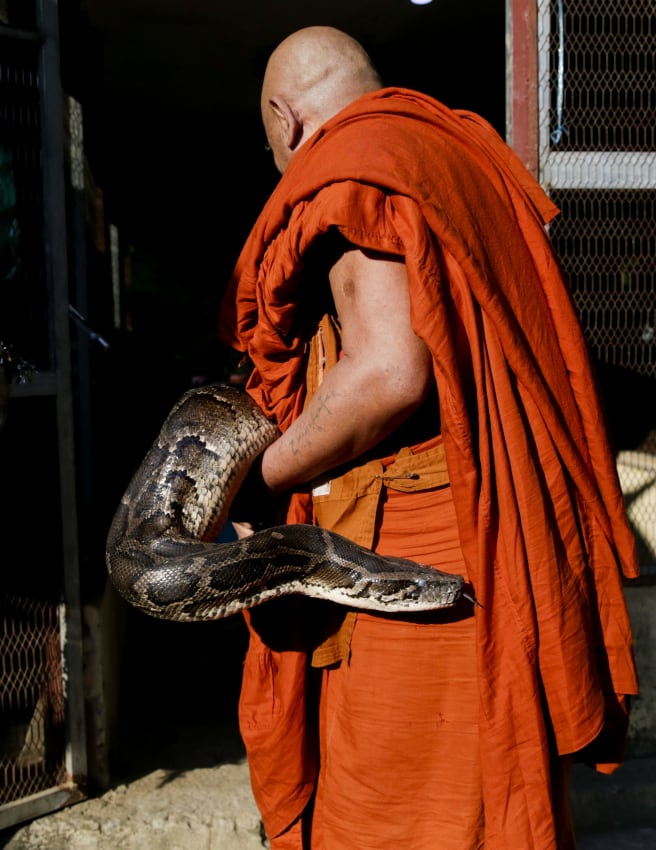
{"x": 383, "y": 376}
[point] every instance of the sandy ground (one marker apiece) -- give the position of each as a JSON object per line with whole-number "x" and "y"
{"x": 202, "y": 809}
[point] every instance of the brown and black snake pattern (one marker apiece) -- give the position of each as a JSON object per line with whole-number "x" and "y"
{"x": 161, "y": 551}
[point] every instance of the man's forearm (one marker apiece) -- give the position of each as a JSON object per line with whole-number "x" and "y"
{"x": 350, "y": 413}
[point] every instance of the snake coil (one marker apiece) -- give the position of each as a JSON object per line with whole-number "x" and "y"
{"x": 162, "y": 553}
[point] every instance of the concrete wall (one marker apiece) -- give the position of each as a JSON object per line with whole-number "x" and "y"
{"x": 641, "y": 601}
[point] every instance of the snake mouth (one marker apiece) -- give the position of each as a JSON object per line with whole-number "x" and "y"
{"x": 472, "y": 599}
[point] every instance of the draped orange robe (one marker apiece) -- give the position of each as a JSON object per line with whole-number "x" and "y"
{"x": 539, "y": 509}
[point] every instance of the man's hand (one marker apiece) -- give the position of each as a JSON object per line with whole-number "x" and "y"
{"x": 243, "y": 529}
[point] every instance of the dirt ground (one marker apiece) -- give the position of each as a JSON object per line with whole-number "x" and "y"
{"x": 202, "y": 809}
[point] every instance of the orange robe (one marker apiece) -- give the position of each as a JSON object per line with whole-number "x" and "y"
{"x": 539, "y": 510}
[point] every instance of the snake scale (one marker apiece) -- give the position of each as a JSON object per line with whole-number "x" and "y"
{"x": 162, "y": 554}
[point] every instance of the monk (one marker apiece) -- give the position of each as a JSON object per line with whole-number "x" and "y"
{"x": 411, "y": 333}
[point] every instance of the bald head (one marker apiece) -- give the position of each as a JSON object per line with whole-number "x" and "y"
{"x": 310, "y": 76}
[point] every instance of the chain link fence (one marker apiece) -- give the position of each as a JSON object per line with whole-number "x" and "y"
{"x": 597, "y": 107}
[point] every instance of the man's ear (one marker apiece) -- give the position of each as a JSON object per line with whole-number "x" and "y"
{"x": 289, "y": 119}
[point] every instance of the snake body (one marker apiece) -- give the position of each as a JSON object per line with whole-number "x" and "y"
{"x": 162, "y": 553}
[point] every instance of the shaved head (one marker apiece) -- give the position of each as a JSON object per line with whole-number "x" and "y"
{"x": 310, "y": 76}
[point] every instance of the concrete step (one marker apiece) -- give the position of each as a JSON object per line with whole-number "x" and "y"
{"x": 622, "y": 839}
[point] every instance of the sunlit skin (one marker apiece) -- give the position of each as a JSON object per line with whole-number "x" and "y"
{"x": 385, "y": 371}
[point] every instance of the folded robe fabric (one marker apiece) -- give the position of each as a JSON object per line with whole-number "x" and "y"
{"x": 540, "y": 512}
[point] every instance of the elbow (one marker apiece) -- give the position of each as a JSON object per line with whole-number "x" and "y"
{"x": 405, "y": 389}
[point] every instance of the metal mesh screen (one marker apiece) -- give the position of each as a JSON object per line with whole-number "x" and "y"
{"x": 606, "y": 240}
{"x": 32, "y": 728}
{"x": 601, "y": 75}
{"x": 597, "y": 155}
{"x": 31, "y": 698}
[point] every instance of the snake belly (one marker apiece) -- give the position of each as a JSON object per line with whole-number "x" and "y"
{"x": 162, "y": 555}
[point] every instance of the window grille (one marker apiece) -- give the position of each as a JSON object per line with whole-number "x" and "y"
{"x": 42, "y": 745}
{"x": 597, "y": 160}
